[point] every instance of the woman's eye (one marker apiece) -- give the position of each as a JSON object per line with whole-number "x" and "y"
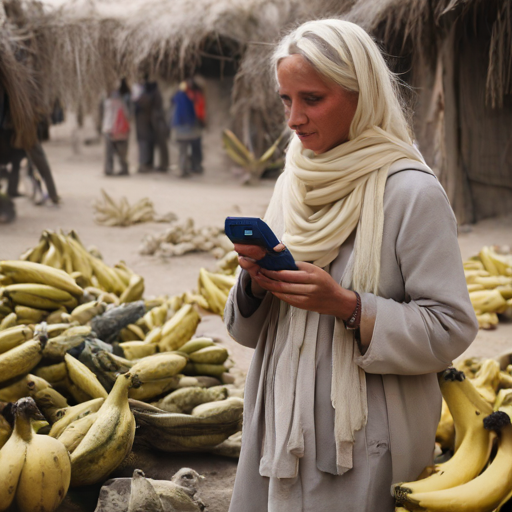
{"x": 313, "y": 99}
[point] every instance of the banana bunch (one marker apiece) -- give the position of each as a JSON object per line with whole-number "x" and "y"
{"x": 208, "y": 425}
{"x": 108, "y": 212}
{"x": 242, "y": 156}
{"x": 215, "y": 288}
{"x": 99, "y": 440}
{"x": 489, "y": 381}
{"x": 35, "y": 469}
{"x": 66, "y": 252}
{"x": 472, "y": 480}
{"x": 489, "y": 281}
{"x": 184, "y": 237}
{"x": 31, "y": 292}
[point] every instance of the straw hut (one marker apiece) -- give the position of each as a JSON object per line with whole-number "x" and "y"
{"x": 457, "y": 56}
{"x": 83, "y": 46}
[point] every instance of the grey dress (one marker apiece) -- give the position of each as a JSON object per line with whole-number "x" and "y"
{"x": 421, "y": 319}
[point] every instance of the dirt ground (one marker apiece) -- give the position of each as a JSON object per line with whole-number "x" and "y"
{"x": 207, "y": 199}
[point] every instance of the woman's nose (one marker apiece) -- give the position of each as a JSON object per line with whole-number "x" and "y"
{"x": 296, "y": 117}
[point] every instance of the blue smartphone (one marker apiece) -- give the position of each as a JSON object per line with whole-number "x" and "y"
{"x": 254, "y": 231}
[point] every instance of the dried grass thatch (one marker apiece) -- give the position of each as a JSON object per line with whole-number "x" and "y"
{"x": 417, "y": 26}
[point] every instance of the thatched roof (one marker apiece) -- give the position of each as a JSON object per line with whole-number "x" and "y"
{"x": 82, "y": 46}
{"x": 417, "y": 26}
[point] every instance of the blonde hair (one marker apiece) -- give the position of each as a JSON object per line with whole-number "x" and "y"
{"x": 344, "y": 53}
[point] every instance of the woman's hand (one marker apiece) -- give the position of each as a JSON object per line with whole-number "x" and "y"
{"x": 309, "y": 288}
{"x": 247, "y": 257}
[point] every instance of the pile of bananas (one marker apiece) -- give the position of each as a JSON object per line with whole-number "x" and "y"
{"x": 79, "y": 346}
{"x": 110, "y": 213}
{"x": 184, "y": 237}
{"x": 489, "y": 280}
{"x": 475, "y": 425}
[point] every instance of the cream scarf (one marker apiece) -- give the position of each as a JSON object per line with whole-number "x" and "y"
{"x": 317, "y": 203}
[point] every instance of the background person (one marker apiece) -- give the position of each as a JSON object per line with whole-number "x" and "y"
{"x": 187, "y": 131}
{"x": 116, "y": 130}
{"x": 342, "y": 398}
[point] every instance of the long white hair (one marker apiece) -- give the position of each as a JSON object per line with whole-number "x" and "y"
{"x": 343, "y": 52}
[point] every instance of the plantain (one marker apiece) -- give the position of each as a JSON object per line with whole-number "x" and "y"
{"x": 86, "y": 312}
{"x": 14, "y": 336}
{"x": 8, "y": 321}
{"x": 57, "y": 347}
{"x": 108, "y": 441}
{"x": 134, "y": 290}
{"x": 153, "y": 388}
{"x": 28, "y": 272}
{"x": 210, "y": 355}
{"x": 68, "y": 415}
{"x": 196, "y": 344}
{"x": 29, "y": 315}
{"x": 185, "y": 399}
{"x": 21, "y": 359}
{"x": 84, "y": 378}
{"x": 179, "y": 329}
{"x": 213, "y": 370}
{"x": 27, "y": 385}
{"x": 5, "y": 434}
{"x": 158, "y": 366}
{"x": 50, "y": 402}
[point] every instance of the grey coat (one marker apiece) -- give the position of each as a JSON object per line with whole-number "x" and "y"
{"x": 418, "y": 323}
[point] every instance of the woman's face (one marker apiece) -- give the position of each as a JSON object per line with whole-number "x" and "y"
{"x": 317, "y": 109}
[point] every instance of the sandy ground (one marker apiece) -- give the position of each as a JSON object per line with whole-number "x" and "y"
{"x": 207, "y": 199}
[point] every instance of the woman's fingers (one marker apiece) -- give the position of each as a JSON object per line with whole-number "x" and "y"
{"x": 250, "y": 251}
{"x": 274, "y": 286}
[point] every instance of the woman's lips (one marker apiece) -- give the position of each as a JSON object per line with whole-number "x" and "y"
{"x": 302, "y": 135}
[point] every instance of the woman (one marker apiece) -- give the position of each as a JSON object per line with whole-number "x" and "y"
{"x": 342, "y": 398}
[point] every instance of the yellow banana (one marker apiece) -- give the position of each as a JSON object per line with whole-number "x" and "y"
{"x": 68, "y": 415}
{"x": 33, "y": 301}
{"x": 74, "y": 433}
{"x": 21, "y": 359}
{"x": 12, "y": 459}
{"x": 474, "y": 441}
{"x": 28, "y": 385}
{"x": 487, "y": 301}
{"x": 108, "y": 441}
{"x": 52, "y": 373}
{"x": 153, "y": 388}
{"x": 196, "y": 344}
{"x": 50, "y": 402}
{"x": 86, "y": 312}
{"x": 210, "y": 355}
{"x": 487, "y": 380}
{"x": 215, "y": 297}
{"x": 46, "y": 472}
{"x": 482, "y": 494}
{"x": 28, "y": 272}
{"x": 179, "y": 329}
{"x": 487, "y": 320}
{"x": 84, "y": 378}
{"x": 137, "y": 349}
{"x": 57, "y": 347}
{"x": 5, "y": 434}
{"x": 134, "y": 291}
{"x": 132, "y": 332}
{"x": 30, "y": 315}
{"x": 488, "y": 261}
{"x": 8, "y": 321}
{"x": 14, "y": 336}
{"x": 158, "y": 366}
{"x": 36, "y": 253}
{"x": 154, "y": 336}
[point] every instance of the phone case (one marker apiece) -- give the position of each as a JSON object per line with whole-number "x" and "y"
{"x": 252, "y": 230}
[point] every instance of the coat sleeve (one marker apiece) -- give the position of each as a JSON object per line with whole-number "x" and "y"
{"x": 435, "y": 322}
{"x": 246, "y": 317}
